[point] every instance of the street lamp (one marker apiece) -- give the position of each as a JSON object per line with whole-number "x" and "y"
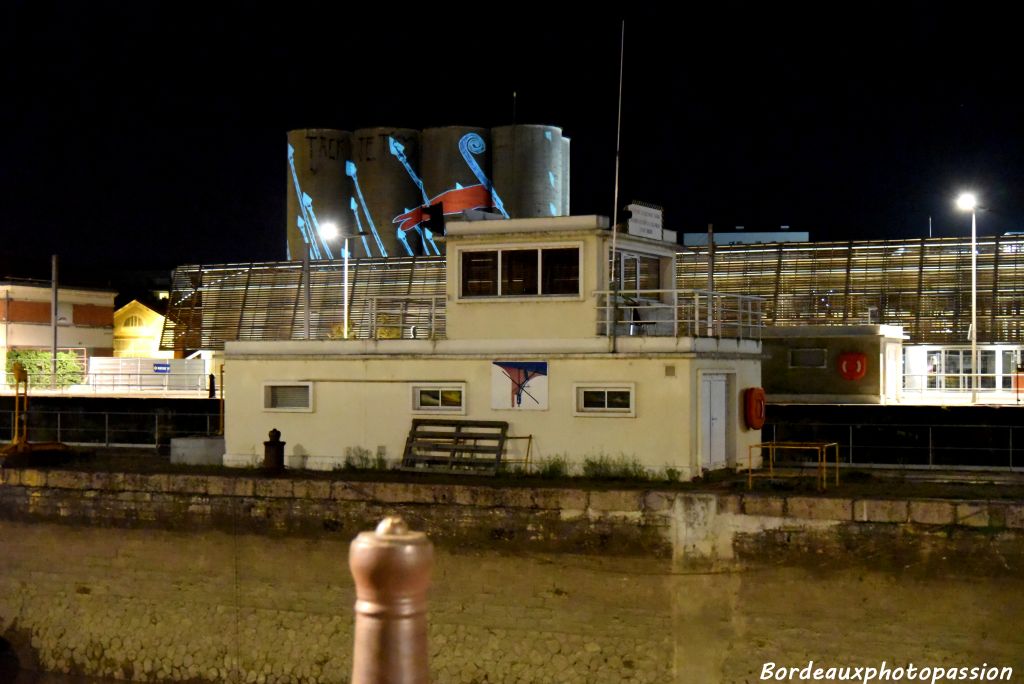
{"x": 969, "y": 202}
{"x": 329, "y": 231}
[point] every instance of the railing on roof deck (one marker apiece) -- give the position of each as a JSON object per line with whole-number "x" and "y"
{"x": 679, "y": 313}
{"x": 403, "y": 317}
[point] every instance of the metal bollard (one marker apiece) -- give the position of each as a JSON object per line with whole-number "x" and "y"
{"x": 273, "y": 452}
{"x": 391, "y": 567}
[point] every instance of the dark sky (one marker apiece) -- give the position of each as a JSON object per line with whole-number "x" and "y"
{"x": 144, "y": 135}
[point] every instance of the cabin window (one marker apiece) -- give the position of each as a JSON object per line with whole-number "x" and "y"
{"x": 807, "y": 358}
{"x": 439, "y": 398}
{"x": 294, "y": 396}
{"x": 133, "y": 322}
{"x": 531, "y": 272}
{"x": 605, "y": 399}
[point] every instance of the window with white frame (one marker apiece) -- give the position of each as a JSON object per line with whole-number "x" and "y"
{"x": 521, "y": 272}
{"x": 288, "y": 396}
{"x": 439, "y": 398}
{"x": 605, "y": 399}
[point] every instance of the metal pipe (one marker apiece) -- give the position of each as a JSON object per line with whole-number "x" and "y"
{"x": 345, "y": 289}
{"x": 615, "y": 200}
{"x": 53, "y": 321}
{"x": 391, "y": 567}
{"x": 309, "y": 291}
{"x": 974, "y": 308}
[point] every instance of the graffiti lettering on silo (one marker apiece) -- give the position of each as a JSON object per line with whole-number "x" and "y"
{"x": 527, "y": 164}
{"x": 318, "y": 191}
{"x": 391, "y": 176}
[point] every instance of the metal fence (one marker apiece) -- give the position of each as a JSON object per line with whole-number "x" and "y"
{"x": 106, "y": 383}
{"x": 111, "y": 428}
{"x": 957, "y": 446}
{"x": 679, "y": 313}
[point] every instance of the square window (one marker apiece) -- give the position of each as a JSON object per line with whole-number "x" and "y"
{"x": 519, "y": 272}
{"x": 561, "y": 271}
{"x": 288, "y": 396}
{"x": 479, "y": 274}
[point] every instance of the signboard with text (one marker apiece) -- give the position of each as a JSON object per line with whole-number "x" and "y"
{"x": 645, "y": 221}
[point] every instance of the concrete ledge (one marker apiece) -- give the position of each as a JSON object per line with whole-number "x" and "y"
{"x": 932, "y": 512}
{"x": 197, "y": 450}
{"x": 819, "y": 508}
{"x": 881, "y": 510}
{"x": 973, "y": 514}
{"x": 770, "y": 506}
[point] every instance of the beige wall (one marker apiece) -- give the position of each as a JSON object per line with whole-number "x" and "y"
{"x": 366, "y": 402}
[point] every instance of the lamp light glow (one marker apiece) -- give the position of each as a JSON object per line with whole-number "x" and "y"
{"x": 328, "y": 230}
{"x": 967, "y": 201}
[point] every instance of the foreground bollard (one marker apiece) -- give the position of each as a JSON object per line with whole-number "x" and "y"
{"x": 273, "y": 452}
{"x": 391, "y": 567}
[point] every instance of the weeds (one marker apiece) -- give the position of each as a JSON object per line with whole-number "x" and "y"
{"x": 605, "y": 467}
{"x": 358, "y": 458}
{"x": 553, "y": 467}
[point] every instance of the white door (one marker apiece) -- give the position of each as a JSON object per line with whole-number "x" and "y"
{"x": 712, "y": 421}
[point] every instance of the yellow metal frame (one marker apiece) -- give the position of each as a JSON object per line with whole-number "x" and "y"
{"x": 525, "y": 461}
{"x": 19, "y": 440}
{"x": 820, "y": 448}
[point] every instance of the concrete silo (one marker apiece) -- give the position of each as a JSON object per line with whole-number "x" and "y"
{"x": 384, "y": 167}
{"x": 444, "y": 161}
{"x": 565, "y": 176}
{"x": 528, "y": 169}
{"x": 317, "y": 190}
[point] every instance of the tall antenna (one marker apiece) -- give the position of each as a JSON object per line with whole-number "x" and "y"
{"x": 613, "y": 277}
{"x": 513, "y": 107}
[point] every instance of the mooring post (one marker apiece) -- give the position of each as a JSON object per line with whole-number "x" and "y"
{"x": 391, "y": 567}
{"x": 273, "y": 452}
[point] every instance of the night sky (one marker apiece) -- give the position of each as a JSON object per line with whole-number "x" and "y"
{"x": 145, "y": 135}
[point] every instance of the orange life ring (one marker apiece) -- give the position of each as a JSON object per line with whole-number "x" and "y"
{"x": 754, "y": 407}
{"x": 853, "y": 365}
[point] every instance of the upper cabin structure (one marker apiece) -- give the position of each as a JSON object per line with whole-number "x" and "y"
{"x": 516, "y": 324}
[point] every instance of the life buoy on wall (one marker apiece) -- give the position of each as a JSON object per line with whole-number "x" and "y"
{"x": 753, "y": 407}
{"x": 853, "y": 365}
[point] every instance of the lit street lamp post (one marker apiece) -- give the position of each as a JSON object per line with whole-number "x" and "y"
{"x": 329, "y": 231}
{"x": 968, "y": 202}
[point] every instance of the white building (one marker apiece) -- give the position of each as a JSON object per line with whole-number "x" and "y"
{"x": 85, "y": 319}
{"x": 523, "y": 334}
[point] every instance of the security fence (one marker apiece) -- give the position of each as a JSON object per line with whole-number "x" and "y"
{"x": 911, "y": 445}
{"x": 110, "y": 428}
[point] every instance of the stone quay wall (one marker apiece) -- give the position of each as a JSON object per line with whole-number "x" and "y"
{"x": 681, "y": 524}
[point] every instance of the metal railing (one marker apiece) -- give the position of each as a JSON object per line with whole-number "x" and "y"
{"x": 961, "y": 382}
{"x": 679, "y": 313}
{"x": 403, "y": 317}
{"x": 96, "y": 383}
{"x": 110, "y": 428}
{"x": 909, "y": 445}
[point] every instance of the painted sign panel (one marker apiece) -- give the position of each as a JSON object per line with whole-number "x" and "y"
{"x": 645, "y": 221}
{"x": 519, "y": 385}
